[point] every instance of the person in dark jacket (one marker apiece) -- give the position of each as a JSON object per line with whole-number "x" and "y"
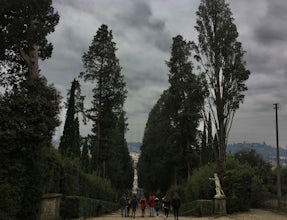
{"x": 134, "y": 205}
{"x": 166, "y": 202}
{"x": 157, "y": 206}
{"x": 123, "y": 204}
{"x": 175, "y": 203}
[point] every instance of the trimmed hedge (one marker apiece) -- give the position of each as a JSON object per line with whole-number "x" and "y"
{"x": 77, "y": 206}
{"x": 77, "y": 183}
{"x": 197, "y": 208}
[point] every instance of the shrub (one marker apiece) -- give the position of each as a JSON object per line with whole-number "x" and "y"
{"x": 199, "y": 186}
{"x": 52, "y": 170}
{"x": 77, "y": 183}
{"x": 77, "y": 207}
{"x": 242, "y": 186}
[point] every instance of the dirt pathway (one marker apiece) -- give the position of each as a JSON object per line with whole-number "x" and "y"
{"x": 254, "y": 214}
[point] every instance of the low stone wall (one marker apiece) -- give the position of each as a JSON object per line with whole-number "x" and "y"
{"x": 50, "y": 207}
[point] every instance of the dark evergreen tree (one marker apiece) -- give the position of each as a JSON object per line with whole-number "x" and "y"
{"x": 221, "y": 56}
{"x": 187, "y": 99}
{"x": 156, "y": 165}
{"x": 70, "y": 141}
{"x": 170, "y": 140}
{"x": 102, "y": 68}
{"x": 120, "y": 170}
{"x": 24, "y": 27}
{"x": 29, "y": 116}
{"x": 29, "y": 107}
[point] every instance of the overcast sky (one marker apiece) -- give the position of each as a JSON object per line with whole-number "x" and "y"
{"x": 143, "y": 32}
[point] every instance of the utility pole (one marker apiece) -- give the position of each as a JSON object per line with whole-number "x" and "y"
{"x": 278, "y": 160}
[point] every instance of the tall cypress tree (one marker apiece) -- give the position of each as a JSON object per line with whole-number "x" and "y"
{"x": 70, "y": 140}
{"x": 187, "y": 98}
{"x": 120, "y": 169}
{"x": 159, "y": 149}
{"x": 170, "y": 139}
{"x": 102, "y": 68}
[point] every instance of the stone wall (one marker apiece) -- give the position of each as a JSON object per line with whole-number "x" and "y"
{"x": 50, "y": 207}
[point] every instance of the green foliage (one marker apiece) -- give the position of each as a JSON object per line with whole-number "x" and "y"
{"x": 186, "y": 99}
{"x": 70, "y": 177}
{"x": 75, "y": 182}
{"x": 70, "y": 140}
{"x": 26, "y": 25}
{"x": 85, "y": 158}
{"x": 11, "y": 196}
{"x": 77, "y": 207}
{"x": 157, "y": 150}
{"x": 28, "y": 109}
{"x": 109, "y": 94}
{"x": 170, "y": 140}
{"x": 243, "y": 186}
{"x": 120, "y": 170}
{"x": 52, "y": 171}
{"x": 28, "y": 119}
{"x": 199, "y": 186}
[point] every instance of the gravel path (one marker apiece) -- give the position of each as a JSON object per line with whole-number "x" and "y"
{"x": 254, "y": 214}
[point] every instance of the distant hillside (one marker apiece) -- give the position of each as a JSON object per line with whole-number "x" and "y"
{"x": 134, "y": 147}
{"x": 266, "y": 151}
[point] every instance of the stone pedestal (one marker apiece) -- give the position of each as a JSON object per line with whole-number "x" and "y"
{"x": 50, "y": 207}
{"x": 220, "y": 205}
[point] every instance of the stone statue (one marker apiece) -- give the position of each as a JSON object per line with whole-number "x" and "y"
{"x": 219, "y": 191}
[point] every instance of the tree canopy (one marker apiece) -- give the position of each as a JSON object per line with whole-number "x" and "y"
{"x": 23, "y": 36}
{"x": 170, "y": 140}
{"x": 102, "y": 68}
{"x": 70, "y": 140}
{"x": 220, "y": 55}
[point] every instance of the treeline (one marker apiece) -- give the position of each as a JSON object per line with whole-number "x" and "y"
{"x": 170, "y": 151}
{"x": 98, "y": 165}
{"x": 207, "y": 81}
{"x": 207, "y": 84}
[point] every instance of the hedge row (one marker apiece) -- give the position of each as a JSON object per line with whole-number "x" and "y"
{"x": 66, "y": 177}
{"x": 77, "y": 207}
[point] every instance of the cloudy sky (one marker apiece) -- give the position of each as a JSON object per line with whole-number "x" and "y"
{"x": 143, "y": 32}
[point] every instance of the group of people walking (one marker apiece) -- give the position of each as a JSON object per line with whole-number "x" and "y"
{"x": 154, "y": 204}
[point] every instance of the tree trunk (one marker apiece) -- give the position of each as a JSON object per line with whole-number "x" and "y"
{"x": 31, "y": 59}
{"x": 222, "y": 154}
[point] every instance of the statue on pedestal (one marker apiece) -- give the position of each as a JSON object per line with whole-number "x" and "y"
{"x": 218, "y": 189}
